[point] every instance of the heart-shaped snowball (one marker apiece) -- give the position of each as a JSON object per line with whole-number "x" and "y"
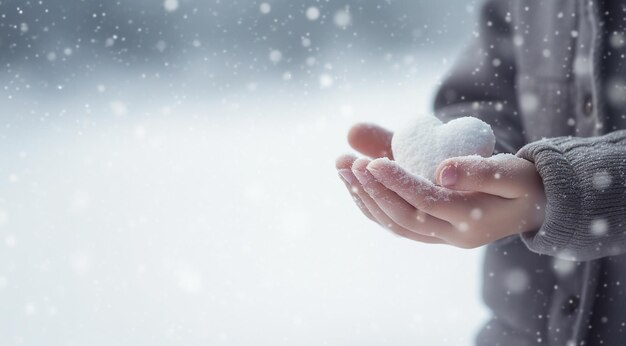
{"x": 426, "y": 142}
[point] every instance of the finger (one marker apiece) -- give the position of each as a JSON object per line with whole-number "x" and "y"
{"x": 371, "y": 209}
{"x": 389, "y": 224}
{"x": 501, "y": 175}
{"x": 396, "y": 208}
{"x": 371, "y": 140}
{"x": 345, "y": 161}
{"x": 420, "y": 193}
{"x": 343, "y": 165}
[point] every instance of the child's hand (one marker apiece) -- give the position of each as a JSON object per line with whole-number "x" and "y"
{"x": 484, "y": 199}
{"x": 371, "y": 140}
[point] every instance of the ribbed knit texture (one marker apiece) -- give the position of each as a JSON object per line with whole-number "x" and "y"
{"x": 585, "y": 185}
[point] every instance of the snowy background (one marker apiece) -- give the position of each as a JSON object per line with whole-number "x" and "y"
{"x": 167, "y": 174}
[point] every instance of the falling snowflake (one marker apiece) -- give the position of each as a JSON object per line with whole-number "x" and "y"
{"x": 118, "y": 108}
{"x": 563, "y": 267}
{"x": 275, "y": 56}
{"x": 617, "y": 40}
{"x": 599, "y": 227}
{"x": 463, "y": 227}
{"x": 326, "y": 81}
{"x": 170, "y": 5}
{"x": 161, "y": 46}
{"x": 616, "y": 92}
{"x": 601, "y": 180}
{"x": 265, "y": 8}
{"x": 529, "y": 103}
{"x": 312, "y": 13}
{"x": 516, "y": 281}
{"x": 343, "y": 18}
{"x": 582, "y": 66}
{"x": 476, "y": 214}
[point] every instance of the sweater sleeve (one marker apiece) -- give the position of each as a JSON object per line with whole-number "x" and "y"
{"x": 482, "y": 82}
{"x": 585, "y": 185}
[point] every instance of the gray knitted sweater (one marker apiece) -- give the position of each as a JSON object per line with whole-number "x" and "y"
{"x": 533, "y": 73}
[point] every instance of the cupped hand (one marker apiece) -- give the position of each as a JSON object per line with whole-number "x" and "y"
{"x": 475, "y": 200}
{"x": 375, "y": 142}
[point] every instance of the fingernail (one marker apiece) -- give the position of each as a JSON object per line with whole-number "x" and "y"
{"x": 448, "y": 176}
{"x": 348, "y": 176}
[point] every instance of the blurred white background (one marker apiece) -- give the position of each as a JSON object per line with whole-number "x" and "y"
{"x": 192, "y": 204}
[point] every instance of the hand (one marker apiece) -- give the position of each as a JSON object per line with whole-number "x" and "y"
{"x": 375, "y": 142}
{"x": 479, "y": 201}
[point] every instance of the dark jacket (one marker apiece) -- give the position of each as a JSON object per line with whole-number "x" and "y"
{"x": 533, "y": 73}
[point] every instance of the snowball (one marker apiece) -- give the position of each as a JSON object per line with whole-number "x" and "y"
{"x": 424, "y": 144}
{"x": 312, "y": 13}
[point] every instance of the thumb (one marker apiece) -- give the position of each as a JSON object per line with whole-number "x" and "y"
{"x": 371, "y": 140}
{"x": 474, "y": 173}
